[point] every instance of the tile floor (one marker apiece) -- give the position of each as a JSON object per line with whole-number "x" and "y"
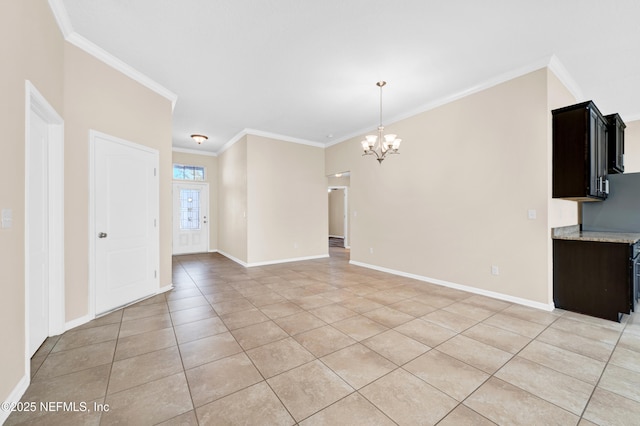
{"x": 324, "y": 342}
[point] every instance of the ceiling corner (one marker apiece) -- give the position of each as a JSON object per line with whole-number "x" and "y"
{"x": 565, "y": 78}
{"x": 61, "y": 16}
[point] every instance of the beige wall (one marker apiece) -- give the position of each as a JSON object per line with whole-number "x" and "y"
{"x": 232, "y": 201}
{"x": 31, "y": 48}
{"x": 211, "y": 177}
{"x": 338, "y": 181}
{"x": 100, "y": 98}
{"x": 287, "y": 205}
{"x": 455, "y": 201}
{"x": 632, "y": 147}
{"x": 336, "y": 212}
{"x": 88, "y": 95}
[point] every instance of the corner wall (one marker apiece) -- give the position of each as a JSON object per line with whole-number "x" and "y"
{"x": 98, "y": 97}
{"x": 287, "y": 201}
{"x": 31, "y": 48}
{"x": 456, "y": 201}
{"x": 87, "y": 94}
{"x": 232, "y": 201}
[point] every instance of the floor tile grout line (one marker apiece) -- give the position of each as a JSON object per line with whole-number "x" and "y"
{"x": 388, "y": 304}
{"x": 115, "y": 349}
{"x": 184, "y": 371}
{"x": 604, "y": 369}
{"x": 493, "y": 375}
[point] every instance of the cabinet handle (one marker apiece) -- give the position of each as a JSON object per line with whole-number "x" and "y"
{"x": 606, "y": 186}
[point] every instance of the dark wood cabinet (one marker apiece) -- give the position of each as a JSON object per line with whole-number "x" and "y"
{"x": 615, "y": 143}
{"x": 594, "y": 278}
{"x": 580, "y": 153}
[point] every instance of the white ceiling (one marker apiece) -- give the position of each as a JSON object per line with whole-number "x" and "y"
{"x": 306, "y": 69}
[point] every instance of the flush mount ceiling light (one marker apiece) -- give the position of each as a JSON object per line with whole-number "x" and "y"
{"x": 380, "y": 145}
{"x": 199, "y": 138}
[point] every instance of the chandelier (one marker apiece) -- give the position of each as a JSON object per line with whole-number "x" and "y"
{"x": 380, "y": 145}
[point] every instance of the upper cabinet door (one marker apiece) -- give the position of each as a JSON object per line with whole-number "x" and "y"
{"x": 579, "y": 153}
{"x": 602, "y": 181}
{"x": 615, "y": 142}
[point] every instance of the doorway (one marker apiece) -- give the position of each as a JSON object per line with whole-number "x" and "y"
{"x": 338, "y": 217}
{"x": 339, "y": 227}
{"x": 124, "y": 235}
{"x": 190, "y": 218}
{"x": 44, "y": 221}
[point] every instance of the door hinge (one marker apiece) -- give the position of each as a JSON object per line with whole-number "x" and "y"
{"x": 155, "y": 274}
{"x": 155, "y": 223}
{"x": 154, "y": 171}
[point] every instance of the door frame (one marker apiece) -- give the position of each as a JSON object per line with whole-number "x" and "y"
{"x": 37, "y": 104}
{"x": 205, "y": 186}
{"x": 346, "y": 213}
{"x": 93, "y": 135}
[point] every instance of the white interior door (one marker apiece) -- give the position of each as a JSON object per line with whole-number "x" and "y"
{"x": 38, "y": 233}
{"x": 190, "y": 218}
{"x": 125, "y": 231}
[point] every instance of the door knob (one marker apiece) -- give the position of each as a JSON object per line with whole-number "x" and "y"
{"x": 102, "y": 235}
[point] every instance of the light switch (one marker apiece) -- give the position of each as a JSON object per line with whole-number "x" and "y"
{"x": 532, "y": 214}
{"x": 7, "y": 218}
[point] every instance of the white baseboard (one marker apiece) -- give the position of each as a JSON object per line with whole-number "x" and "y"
{"x": 235, "y": 259}
{"x": 475, "y": 290}
{"x": 85, "y": 319}
{"x": 336, "y": 236}
{"x": 15, "y": 396}
{"x": 213, "y": 251}
{"x": 271, "y": 262}
{"x": 77, "y": 322}
{"x": 165, "y": 289}
{"x": 293, "y": 259}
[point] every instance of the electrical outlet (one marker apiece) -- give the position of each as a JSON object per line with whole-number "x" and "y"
{"x": 495, "y": 270}
{"x": 371, "y": 250}
{"x": 295, "y": 245}
{"x": 7, "y": 218}
{"x": 532, "y": 214}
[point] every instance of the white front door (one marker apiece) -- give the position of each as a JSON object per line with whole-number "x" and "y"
{"x": 190, "y": 218}
{"x": 38, "y": 232}
{"x": 125, "y": 226}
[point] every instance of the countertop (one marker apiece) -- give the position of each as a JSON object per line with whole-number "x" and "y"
{"x": 574, "y": 233}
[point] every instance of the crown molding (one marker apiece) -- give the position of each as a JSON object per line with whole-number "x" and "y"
{"x": 232, "y": 141}
{"x": 552, "y": 62}
{"x": 62, "y": 17}
{"x": 64, "y": 23}
{"x": 629, "y": 118}
{"x": 254, "y": 132}
{"x": 194, "y": 151}
{"x": 565, "y": 78}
